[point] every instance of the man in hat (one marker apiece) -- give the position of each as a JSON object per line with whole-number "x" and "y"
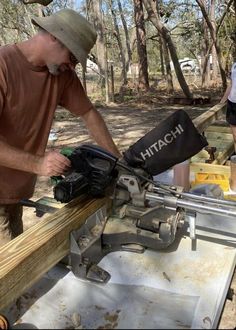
{"x": 36, "y": 76}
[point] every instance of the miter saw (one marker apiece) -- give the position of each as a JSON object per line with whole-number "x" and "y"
{"x": 184, "y": 243}
{"x": 144, "y": 213}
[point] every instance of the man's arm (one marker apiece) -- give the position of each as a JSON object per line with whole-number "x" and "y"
{"x": 52, "y": 163}
{"x": 99, "y": 131}
{"x": 226, "y": 94}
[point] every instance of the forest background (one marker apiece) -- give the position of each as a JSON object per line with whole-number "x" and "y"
{"x": 143, "y": 46}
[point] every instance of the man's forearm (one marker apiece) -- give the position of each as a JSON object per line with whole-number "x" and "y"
{"x": 99, "y": 131}
{"x": 17, "y": 159}
{"x": 226, "y": 94}
{"x": 51, "y": 163}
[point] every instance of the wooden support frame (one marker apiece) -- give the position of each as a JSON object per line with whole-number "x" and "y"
{"x": 210, "y": 168}
{"x": 26, "y": 258}
{"x": 209, "y": 117}
{"x": 220, "y": 138}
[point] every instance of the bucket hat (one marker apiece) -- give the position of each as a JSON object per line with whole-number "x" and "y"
{"x": 72, "y": 30}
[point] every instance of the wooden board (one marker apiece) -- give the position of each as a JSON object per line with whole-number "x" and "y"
{"x": 219, "y": 129}
{"x": 209, "y": 117}
{"x": 26, "y": 258}
{"x": 210, "y": 168}
{"x": 222, "y": 139}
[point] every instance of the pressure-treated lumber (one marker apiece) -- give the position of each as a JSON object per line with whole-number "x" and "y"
{"x": 223, "y": 155}
{"x": 223, "y": 151}
{"x": 210, "y": 168}
{"x": 209, "y": 117}
{"x": 217, "y": 136}
{"x": 219, "y": 129}
{"x": 26, "y": 258}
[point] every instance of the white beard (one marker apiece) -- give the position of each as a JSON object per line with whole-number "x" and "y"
{"x": 54, "y": 69}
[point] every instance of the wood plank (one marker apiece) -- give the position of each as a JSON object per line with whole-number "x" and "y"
{"x": 26, "y": 258}
{"x": 218, "y": 136}
{"x": 220, "y": 144}
{"x": 209, "y": 117}
{"x": 221, "y": 155}
{"x": 219, "y": 129}
{"x": 202, "y": 154}
{"x": 209, "y": 168}
{"x": 224, "y": 155}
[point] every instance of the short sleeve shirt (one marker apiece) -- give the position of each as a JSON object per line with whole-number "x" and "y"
{"x": 29, "y": 96}
{"x": 232, "y": 94}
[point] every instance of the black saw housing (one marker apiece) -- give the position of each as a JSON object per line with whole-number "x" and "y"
{"x": 92, "y": 171}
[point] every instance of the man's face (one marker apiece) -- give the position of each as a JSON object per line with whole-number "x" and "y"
{"x": 61, "y": 59}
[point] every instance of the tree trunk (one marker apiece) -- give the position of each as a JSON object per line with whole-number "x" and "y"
{"x": 127, "y": 38}
{"x": 161, "y": 56}
{"x": 118, "y": 38}
{"x": 153, "y": 17}
{"x": 164, "y": 48}
{"x": 205, "y": 65}
{"x": 95, "y": 6}
{"x": 213, "y": 33}
{"x": 214, "y": 67}
{"x": 169, "y": 78}
{"x": 143, "y": 83}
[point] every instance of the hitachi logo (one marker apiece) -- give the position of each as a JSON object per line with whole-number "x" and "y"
{"x": 161, "y": 143}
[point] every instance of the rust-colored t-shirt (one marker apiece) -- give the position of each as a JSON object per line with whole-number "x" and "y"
{"x": 29, "y": 96}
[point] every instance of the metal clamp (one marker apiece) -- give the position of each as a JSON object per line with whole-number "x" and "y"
{"x": 191, "y": 218}
{"x": 86, "y": 248}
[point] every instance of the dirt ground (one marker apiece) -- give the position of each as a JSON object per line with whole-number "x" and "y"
{"x": 127, "y": 122}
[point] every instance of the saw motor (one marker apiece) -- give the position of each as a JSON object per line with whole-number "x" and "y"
{"x": 92, "y": 171}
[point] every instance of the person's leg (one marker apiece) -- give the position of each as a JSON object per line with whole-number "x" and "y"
{"x": 5, "y": 230}
{"x": 233, "y": 130}
{"x": 16, "y": 223}
{"x": 231, "y": 119}
{"x": 11, "y": 224}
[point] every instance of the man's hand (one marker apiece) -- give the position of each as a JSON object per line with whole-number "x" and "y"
{"x": 53, "y": 163}
{"x": 226, "y": 94}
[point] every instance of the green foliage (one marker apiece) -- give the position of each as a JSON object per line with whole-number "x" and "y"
{"x": 15, "y": 18}
{"x": 188, "y": 32}
{"x": 183, "y": 18}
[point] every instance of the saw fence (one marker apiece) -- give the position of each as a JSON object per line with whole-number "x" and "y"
{"x": 25, "y": 259}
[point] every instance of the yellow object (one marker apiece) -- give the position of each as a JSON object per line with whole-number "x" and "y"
{"x": 230, "y": 196}
{"x": 211, "y": 178}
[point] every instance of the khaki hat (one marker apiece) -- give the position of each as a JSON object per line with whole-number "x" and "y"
{"x": 71, "y": 29}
